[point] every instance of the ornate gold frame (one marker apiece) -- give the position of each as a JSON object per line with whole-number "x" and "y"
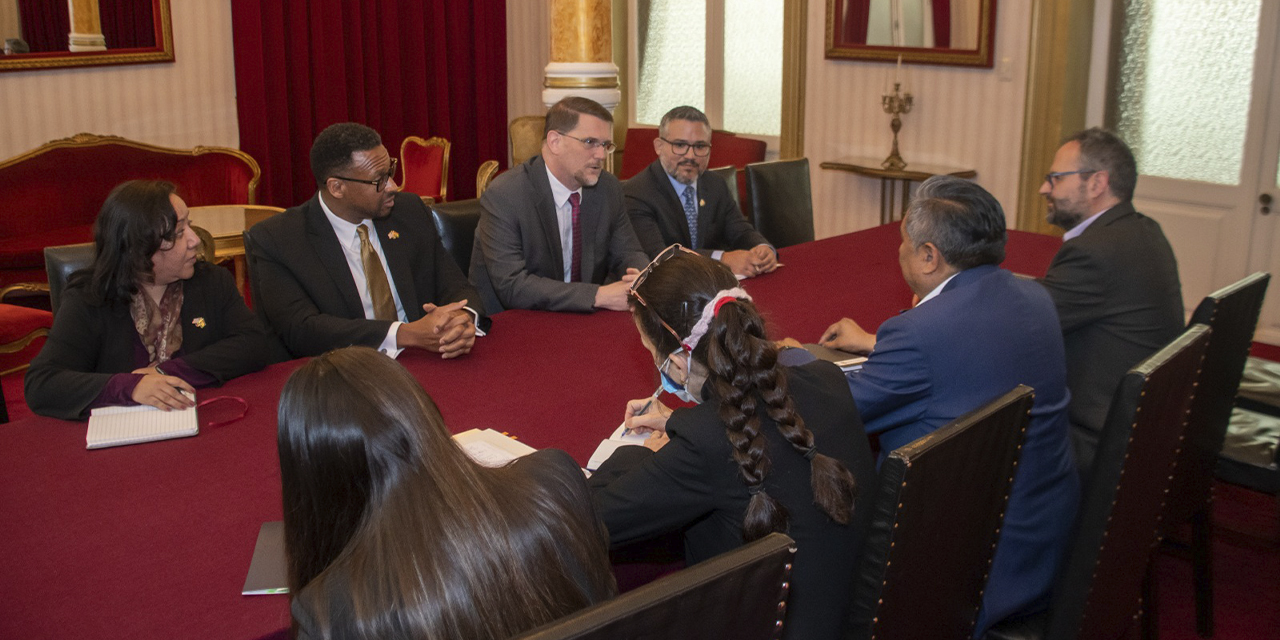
{"x": 81, "y": 140}
{"x": 433, "y": 141}
{"x": 163, "y": 52}
{"x": 983, "y": 56}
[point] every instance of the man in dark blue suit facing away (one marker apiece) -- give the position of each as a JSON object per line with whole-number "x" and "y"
{"x": 976, "y": 332}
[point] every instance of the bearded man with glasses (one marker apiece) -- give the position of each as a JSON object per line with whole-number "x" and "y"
{"x": 1114, "y": 281}
{"x": 553, "y": 232}
{"x": 674, "y": 200}
{"x": 361, "y": 262}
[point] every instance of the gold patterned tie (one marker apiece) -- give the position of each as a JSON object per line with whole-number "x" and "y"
{"x": 384, "y": 307}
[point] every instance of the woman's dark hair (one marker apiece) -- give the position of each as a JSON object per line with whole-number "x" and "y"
{"x": 432, "y": 542}
{"x": 746, "y": 379}
{"x": 136, "y": 220}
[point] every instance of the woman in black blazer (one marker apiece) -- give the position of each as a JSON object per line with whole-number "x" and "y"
{"x": 767, "y": 448}
{"x": 145, "y": 321}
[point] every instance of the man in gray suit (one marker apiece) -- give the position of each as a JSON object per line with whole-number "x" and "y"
{"x": 553, "y": 232}
{"x": 1114, "y": 281}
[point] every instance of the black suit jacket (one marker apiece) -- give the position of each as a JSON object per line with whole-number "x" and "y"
{"x": 692, "y": 485}
{"x": 89, "y": 343}
{"x": 657, "y": 214}
{"x": 1119, "y": 299}
{"x": 518, "y": 262}
{"x": 308, "y": 294}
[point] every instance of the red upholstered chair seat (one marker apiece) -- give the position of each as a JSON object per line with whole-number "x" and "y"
{"x": 18, "y": 345}
{"x": 53, "y": 193}
{"x": 424, "y": 166}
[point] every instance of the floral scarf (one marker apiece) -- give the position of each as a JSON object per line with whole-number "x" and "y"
{"x": 157, "y": 325}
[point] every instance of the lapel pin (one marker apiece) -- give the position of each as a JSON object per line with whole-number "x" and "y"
{"x": 393, "y": 234}
{"x": 702, "y": 203}
{"x": 198, "y": 322}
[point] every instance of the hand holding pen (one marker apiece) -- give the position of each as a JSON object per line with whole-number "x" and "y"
{"x": 646, "y": 414}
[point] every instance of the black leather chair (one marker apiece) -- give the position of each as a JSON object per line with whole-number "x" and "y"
{"x": 780, "y": 200}
{"x": 929, "y": 547}
{"x": 456, "y": 223}
{"x": 1099, "y": 593}
{"x": 740, "y": 594}
{"x": 730, "y": 176}
{"x": 60, "y": 262}
{"x": 1232, "y": 315}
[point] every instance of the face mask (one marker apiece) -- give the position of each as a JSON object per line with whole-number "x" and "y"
{"x": 670, "y": 385}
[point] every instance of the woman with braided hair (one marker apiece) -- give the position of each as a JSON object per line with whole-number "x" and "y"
{"x": 765, "y": 448}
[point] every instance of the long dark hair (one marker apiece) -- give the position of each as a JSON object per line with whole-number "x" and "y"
{"x": 432, "y": 542}
{"x": 135, "y": 221}
{"x": 746, "y": 379}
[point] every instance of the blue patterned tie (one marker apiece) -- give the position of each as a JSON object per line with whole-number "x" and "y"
{"x": 691, "y": 215}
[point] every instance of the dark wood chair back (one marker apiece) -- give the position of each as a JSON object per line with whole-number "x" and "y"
{"x": 60, "y": 262}
{"x": 1099, "y": 592}
{"x": 456, "y": 223}
{"x": 740, "y": 594}
{"x": 780, "y": 201}
{"x": 935, "y": 521}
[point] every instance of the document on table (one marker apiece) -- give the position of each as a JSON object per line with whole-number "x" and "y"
{"x": 843, "y": 359}
{"x": 490, "y": 448}
{"x": 115, "y": 426}
{"x": 268, "y": 574}
{"x": 619, "y": 438}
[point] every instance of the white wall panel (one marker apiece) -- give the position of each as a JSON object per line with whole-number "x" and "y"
{"x": 963, "y": 117}
{"x": 180, "y": 104}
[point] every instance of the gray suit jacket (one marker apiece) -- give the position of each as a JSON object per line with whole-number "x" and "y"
{"x": 658, "y": 215}
{"x": 1119, "y": 300}
{"x": 517, "y": 261}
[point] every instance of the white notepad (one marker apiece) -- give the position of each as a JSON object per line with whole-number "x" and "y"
{"x": 115, "y": 426}
{"x": 490, "y": 448}
{"x": 619, "y": 438}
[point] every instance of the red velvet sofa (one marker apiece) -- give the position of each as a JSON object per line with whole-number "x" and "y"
{"x": 51, "y": 195}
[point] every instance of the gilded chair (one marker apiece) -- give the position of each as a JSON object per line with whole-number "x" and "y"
{"x": 484, "y": 175}
{"x": 20, "y": 328}
{"x": 526, "y": 137}
{"x": 424, "y": 167}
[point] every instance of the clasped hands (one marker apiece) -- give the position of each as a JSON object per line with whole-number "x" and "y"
{"x": 449, "y": 330}
{"x": 750, "y": 263}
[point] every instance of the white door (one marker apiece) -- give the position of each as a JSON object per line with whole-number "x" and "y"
{"x": 1196, "y": 94}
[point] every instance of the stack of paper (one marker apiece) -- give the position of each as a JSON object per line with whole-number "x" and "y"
{"x": 490, "y": 448}
{"x": 620, "y": 438}
{"x": 115, "y": 426}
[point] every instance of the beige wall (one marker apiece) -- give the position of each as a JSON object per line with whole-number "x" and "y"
{"x": 9, "y": 22}
{"x": 528, "y": 50}
{"x": 181, "y": 104}
{"x": 962, "y": 117}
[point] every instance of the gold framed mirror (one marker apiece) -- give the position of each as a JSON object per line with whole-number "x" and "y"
{"x": 944, "y": 32}
{"x": 143, "y": 26}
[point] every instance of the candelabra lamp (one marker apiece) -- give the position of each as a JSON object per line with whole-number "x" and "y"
{"x": 895, "y": 104}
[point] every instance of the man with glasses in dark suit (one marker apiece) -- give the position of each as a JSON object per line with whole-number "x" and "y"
{"x": 675, "y": 200}
{"x": 361, "y": 262}
{"x": 1114, "y": 281}
{"x": 553, "y": 232}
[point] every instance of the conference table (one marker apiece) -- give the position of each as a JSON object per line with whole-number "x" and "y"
{"x": 154, "y": 540}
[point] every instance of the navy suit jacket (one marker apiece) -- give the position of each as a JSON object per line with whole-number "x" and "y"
{"x": 987, "y": 332}
{"x": 306, "y": 289}
{"x": 658, "y": 214}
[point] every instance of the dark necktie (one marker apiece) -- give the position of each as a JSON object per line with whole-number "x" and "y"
{"x": 384, "y": 307}
{"x": 575, "y": 262}
{"x": 691, "y": 215}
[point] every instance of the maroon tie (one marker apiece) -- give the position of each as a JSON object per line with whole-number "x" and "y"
{"x": 575, "y": 264}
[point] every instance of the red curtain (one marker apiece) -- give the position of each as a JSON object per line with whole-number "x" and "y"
{"x": 856, "y": 14}
{"x": 45, "y": 25}
{"x": 942, "y": 24}
{"x": 403, "y": 67}
{"x": 128, "y": 24}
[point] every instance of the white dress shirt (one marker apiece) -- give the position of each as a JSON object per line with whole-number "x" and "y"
{"x": 349, "y": 240}
{"x": 1079, "y": 229}
{"x": 564, "y": 218}
{"x": 936, "y": 290}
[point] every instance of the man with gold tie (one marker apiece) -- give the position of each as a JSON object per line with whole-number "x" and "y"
{"x": 361, "y": 262}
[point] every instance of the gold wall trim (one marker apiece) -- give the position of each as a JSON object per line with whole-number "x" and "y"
{"x": 581, "y": 82}
{"x": 81, "y": 140}
{"x": 1057, "y": 91}
{"x": 795, "y": 21}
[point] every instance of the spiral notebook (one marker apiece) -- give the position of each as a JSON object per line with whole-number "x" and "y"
{"x": 116, "y": 426}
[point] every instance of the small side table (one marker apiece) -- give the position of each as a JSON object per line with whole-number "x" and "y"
{"x": 226, "y": 223}
{"x": 913, "y": 172}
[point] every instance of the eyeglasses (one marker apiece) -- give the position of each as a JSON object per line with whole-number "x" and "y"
{"x": 700, "y": 149}
{"x": 380, "y": 182}
{"x": 666, "y": 254}
{"x": 1052, "y": 176}
{"x": 592, "y": 144}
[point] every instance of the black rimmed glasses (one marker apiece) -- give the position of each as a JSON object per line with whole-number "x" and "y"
{"x": 665, "y": 255}
{"x": 700, "y": 149}
{"x": 592, "y": 144}
{"x": 381, "y": 182}
{"x": 1052, "y": 176}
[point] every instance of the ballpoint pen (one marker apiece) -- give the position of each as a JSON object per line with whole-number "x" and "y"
{"x": 645, "y": 408}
